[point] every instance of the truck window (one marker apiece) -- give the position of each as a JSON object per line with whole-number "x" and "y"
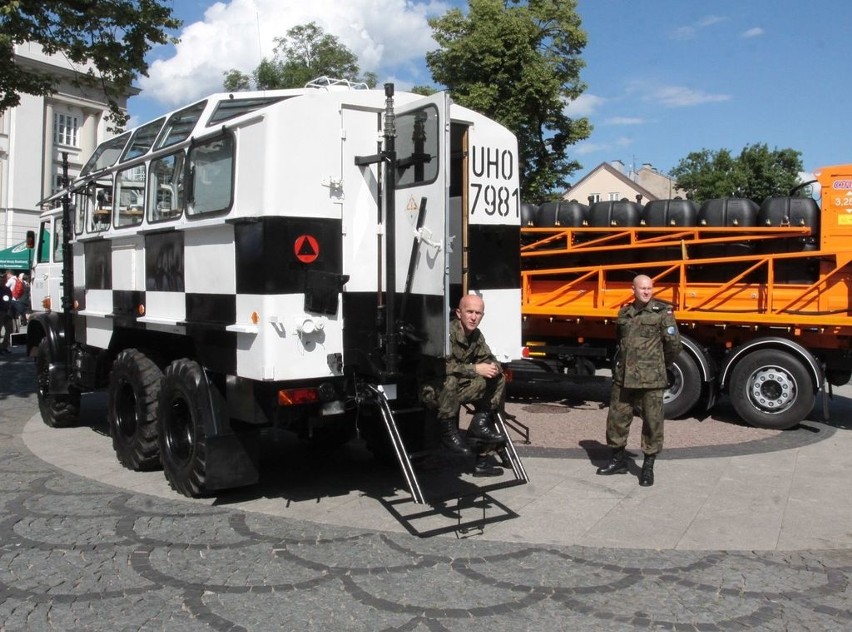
{"x": 417, "y": 147}
{"x": 80, "y": 200}
{"x": 180, "y": 125}
{"x": 226, "y": 110}
{"x": 106, "y": 154}
{"x": 211, "y": 176}
{"x": 143, "y": 140}
{"x": 165, "y": 188}
{"x": 42, "y": 251}
{"x": 130, "y": 196}
{"x": 100, "y": 207}
{"x": 57, "y": 240}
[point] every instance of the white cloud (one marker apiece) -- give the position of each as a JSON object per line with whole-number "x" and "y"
{"x": 388, "y": 36}
{"x": 585, "y": 148}
{"x": 584, "y": 105}
{"x": 753, "y": 32}
{"x": 710, "y": 20}
{"x": 689, "y": 32}
{"x": 672, "y": 96}
{"x": 684, "y": 33}
{"x": 624, "y": 120}
{"x": 680, "y": 96}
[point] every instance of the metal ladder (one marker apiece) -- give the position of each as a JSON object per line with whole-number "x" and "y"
{"x": 403, "y": 456}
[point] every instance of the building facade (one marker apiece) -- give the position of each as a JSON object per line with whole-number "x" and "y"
{"x": 35, "y": 134}
{"x": 612, "y": 182}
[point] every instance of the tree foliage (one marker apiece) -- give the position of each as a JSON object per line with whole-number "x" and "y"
{"x": 757, "y": 173}
{"x": 518, "y": 62}
{"x": 305, "y": 53}
{"x": 113, "y": 37}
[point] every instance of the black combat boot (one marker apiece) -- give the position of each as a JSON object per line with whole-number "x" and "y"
{"x": 646, "y": 478}
{"x": 484, "y": 467}
{"x": 480, "y": 429}
{"x": 617, "y": 464}
{"x": 451, "y": 439}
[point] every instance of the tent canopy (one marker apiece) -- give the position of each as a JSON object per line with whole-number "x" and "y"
{"x": 15, "y": 258}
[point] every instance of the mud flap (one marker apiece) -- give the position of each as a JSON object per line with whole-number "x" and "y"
{"x": 232, "y": 460}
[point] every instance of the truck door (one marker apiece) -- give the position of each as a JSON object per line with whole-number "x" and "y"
{"x": 421, "y": 211}
{"x": 46, "y": 282}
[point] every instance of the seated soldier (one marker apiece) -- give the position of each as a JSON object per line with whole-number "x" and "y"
{"x": 471, "y": 374}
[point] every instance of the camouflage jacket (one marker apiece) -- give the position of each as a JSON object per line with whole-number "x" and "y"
{"x": 648, "y": 341}
{"x": 466, "y": 351}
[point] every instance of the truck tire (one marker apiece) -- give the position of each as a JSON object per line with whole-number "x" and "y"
{"x": 57, "y": 410}
{"x": 184, "y": 409}
{"x": 771, "y": 389}
{"x": 685, "y": 387}
{"x": 132, "y": 399}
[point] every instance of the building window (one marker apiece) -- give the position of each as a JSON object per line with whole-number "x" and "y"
{"x": 65, "y": 129}
{"x": 594, "y": 197}
{"x": 613, "y": 197}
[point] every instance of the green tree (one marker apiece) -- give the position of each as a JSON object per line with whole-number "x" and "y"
{"x": 113, "y": 37}
{"x": 769, "y": 172}
{"x": 305, "y": 53}
{"x": 518, "y": 61}
{"x": 426, "y": 91}
{"x": 757, "y": 173}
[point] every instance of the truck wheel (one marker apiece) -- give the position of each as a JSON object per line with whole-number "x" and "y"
{"x": 184, "y": 406}
{"x": 134, "y": 387}
{"x": 57, "y": 410}
{"x": 684, "y": 389}
{"x": 771, "y": 389}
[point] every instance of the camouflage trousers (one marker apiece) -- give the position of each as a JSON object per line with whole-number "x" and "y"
{"x": 624, "y": 403}
{"x": 447, "y": 394}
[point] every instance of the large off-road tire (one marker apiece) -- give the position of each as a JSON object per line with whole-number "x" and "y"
{"x": 771, "y": 389}
{"x": 184, "y": 412}
{"x": 684, "y": 389}
{"x": 132, "y": 400}
{"x": 57, "y": 410}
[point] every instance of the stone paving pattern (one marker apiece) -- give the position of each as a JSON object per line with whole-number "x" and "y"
{"x": 82, "y": 555}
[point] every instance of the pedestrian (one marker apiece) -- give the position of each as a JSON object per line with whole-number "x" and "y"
{"x": 470, "y": 374}
{"x": 648, "y": 342}
{"x": 21, "y": 297}
{"x": 6, "y": 312}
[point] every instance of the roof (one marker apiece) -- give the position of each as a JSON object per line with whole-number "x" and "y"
{"x": 605, "y": 166}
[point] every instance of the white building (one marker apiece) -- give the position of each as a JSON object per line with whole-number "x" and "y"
{"x": 34, "y": 135}
{"x": 612, "y": 181}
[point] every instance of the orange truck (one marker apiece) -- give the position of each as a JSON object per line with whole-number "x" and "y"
{"x": 761, "y": 294}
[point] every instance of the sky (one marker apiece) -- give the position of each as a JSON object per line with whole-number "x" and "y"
{"x": 664, "y": 77}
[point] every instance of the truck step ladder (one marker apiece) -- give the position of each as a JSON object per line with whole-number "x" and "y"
{"x": 507, "y": 453}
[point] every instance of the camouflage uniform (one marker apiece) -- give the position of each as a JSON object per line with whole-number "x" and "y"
{"x": 648, "y": 341}
{"x": 452, "y": 382}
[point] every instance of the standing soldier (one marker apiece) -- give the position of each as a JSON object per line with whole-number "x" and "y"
{"x": 648, "y": 341}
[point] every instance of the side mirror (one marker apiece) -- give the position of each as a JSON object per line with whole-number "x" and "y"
{"x": 30, "y": 239}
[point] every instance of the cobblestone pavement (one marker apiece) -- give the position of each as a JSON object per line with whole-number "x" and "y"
{"x": 81, "y": 555}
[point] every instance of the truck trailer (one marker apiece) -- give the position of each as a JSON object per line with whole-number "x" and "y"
{"x": 761, "y": 293}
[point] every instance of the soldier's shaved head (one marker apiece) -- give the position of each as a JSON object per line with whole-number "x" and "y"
{"x": 643, "y": 289}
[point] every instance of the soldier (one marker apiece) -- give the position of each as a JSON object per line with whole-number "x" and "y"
{"x": 470, "y": 374}
{"x": 648, "y": 342}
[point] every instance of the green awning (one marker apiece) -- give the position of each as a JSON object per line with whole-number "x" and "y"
{"x": 16, "y": 258}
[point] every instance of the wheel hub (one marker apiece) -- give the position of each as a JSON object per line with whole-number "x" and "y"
{"x": 772, "y": 389}
{"x": 675, "y": 384}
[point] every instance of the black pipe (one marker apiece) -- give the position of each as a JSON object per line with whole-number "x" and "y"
{"x": 67, "y": 267}
{"x": 391, "y": 336}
